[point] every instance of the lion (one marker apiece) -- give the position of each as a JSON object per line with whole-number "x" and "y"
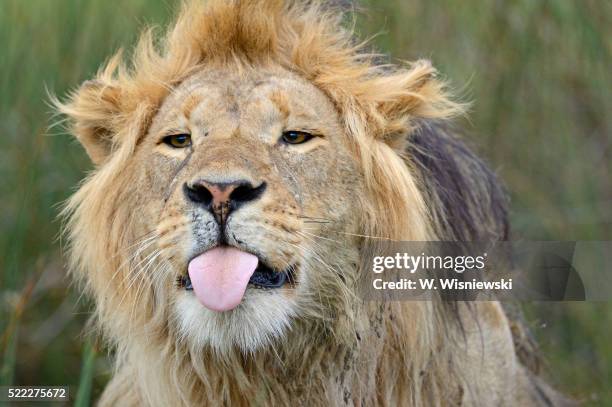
{"x": 246, "y": 164}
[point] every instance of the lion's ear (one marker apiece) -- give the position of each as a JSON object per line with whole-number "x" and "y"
{"x": 406, "y": 95}
{"x": 94, "y": 109}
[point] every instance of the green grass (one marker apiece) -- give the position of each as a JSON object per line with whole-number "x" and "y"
{"x": 83, "y": 397}
{"x": 538, "y": 73}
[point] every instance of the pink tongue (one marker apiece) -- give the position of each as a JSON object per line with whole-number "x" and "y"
{"x": 220, "y": 276}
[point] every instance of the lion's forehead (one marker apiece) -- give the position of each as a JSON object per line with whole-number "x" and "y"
{"x": 249, "y": 101}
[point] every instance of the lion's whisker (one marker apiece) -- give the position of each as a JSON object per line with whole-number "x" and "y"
{"x": 142, "y": 246}
{"x": 151, "y": 281}
{"x": 320, "y": 237}
{"x": 360, "y": 235}
{"x": 140, "y": 271}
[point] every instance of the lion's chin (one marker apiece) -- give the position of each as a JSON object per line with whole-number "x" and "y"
{"x": 261, "y": 317}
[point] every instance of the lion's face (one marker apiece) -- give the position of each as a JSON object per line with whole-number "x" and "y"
{"x": 239, "y": 164}
{"x": 243, "y": 175}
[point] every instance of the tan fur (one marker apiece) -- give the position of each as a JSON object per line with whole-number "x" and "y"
{"x": 235, "y": 74}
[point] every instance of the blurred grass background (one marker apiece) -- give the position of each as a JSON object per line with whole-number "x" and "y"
{"x": 538, "y": 72}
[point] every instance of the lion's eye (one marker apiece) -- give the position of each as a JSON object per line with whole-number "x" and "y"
{"x": 296, "y": 137}
{"x": 178, "y": 140}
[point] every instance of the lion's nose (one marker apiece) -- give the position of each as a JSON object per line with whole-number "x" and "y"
{"x": 221, "y": 198}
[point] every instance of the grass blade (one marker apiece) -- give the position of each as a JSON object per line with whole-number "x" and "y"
{"x": 83, "y": 397}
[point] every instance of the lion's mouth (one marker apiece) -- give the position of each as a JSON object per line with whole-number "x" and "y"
{"x": 263, "y": 277}
{"x": 220, "y": 276}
